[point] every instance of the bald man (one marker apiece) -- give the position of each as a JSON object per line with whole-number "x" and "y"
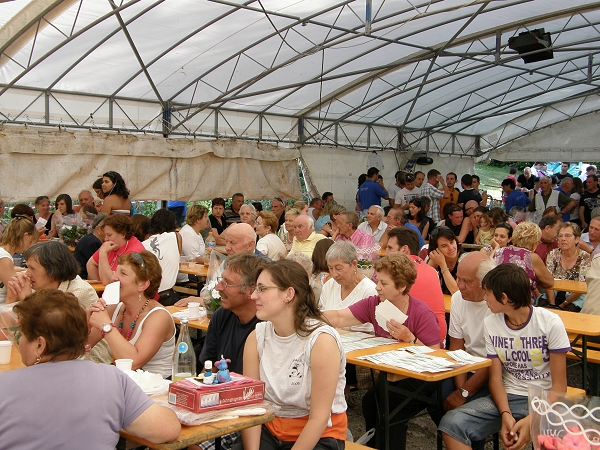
{"x": 466, "y": 332}
{"x": 241, "y": 238}
{"x": 305, "y": 237}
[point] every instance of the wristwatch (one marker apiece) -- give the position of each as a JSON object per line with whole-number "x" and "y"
{"x": 107, "y": 328}
{"x": 464, "y": 392}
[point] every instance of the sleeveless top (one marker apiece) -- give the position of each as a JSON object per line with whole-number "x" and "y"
{"x": 162, "y": 361}
{"x": 519, "y": 256}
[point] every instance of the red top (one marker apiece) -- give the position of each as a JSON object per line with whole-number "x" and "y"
{"x": 133, "y": 245}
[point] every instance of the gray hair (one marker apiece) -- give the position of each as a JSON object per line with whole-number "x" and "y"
{"x": 484, "y": 267}
{"x": 380, "y": 211}
{"x": 56, "y": 259}
{"x": 546, "y": 177}
{"x": 248, "y": 205}
{"x": 97, "y": 222}
{"x": 303, "y": 260}
{"x": 344, "y": 250}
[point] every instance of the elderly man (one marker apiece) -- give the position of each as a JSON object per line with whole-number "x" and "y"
{"x": 233, "y": 211}
{"x": 549, "y": 197}
{"x": 590, "y": 241}
{"x": 241, "y": 238}
{"x": 466, "y": 332}
{"x": 248, "y": 215}
{"x": 374, "y": 225}
{"x": 86, "y": 198}
{"x": 427, "y": 287}
{"x": 278, "y": 208}
{"x": 305, "y": 237}
{"x": 347, "y": 230}
{"x": 397, "y": 219}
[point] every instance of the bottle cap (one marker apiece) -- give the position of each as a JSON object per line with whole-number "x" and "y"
{"x": 208, "y": 365}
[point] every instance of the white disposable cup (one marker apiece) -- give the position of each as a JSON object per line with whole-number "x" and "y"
{"x": 124, "y": 364}
{"x": 5, "y": 351}
{"x": 194, "y": 310}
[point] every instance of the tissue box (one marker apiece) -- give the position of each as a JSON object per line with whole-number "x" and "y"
{"x": 198, "y": 397}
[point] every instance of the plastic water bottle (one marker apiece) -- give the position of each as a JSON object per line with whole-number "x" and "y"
{"x": 210, "y": 241}
{"x": 184, "y": 359}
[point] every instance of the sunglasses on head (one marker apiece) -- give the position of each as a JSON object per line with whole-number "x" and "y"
{"x": 409, "y": 178}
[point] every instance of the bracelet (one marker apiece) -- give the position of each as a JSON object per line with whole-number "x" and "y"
{"x": 505, "y": 412}
{"x": 415, "y": 341}
{"x": 444, "y": 269}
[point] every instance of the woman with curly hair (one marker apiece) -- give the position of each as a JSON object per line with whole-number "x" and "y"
{"x": 525, "y": 239}
{"x": 116, "y": 194}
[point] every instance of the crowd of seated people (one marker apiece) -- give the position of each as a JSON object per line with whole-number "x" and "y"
{"x": 293, "y": 271}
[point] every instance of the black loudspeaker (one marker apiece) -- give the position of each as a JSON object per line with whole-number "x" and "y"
{"x": 530, "y": 41}
{"x": 424, "y": 161}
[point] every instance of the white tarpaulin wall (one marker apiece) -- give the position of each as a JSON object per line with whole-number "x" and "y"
{"x": 573, "y": 140}
{"x": 37, "y": 162}
{"x": 337, "y": 169}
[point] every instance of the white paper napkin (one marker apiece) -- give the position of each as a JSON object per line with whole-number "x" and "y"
{"x": 386, "y": 311}
{"x": 111, "y": 293}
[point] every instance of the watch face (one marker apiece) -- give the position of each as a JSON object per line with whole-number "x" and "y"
{"x": 106, "y": 327}
{"x": 464, "y": 393}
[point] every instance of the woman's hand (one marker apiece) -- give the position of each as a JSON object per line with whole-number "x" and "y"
{"x": 107, "y": 246}
{"x": 18, "y": 287}
{"x": 438, "y": 259}
{"x": 97, "y": 314}
{"x": 399, "y": 331}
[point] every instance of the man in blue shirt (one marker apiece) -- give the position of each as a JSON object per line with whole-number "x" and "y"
{"x": 513, "y": 197}
{"x": 371, "y": 192}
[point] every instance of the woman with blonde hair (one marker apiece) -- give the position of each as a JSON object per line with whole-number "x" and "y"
{"x": 17, "y": 237}
{"x": 192, "y": 243}
{"x": 525, "y": 239}
{"x": 286, "y": 231}
{"x": 329, "y": 227}
{"x": 268, "y": 242}
{"x": 325, "y": 214}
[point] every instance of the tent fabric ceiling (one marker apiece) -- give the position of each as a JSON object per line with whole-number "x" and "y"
{"x": 300, "y": 71}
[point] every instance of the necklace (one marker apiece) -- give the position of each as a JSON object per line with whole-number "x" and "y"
{"x": 516, "y": 325}
{"x": 134, "y": 320}
{"x": 112, "y": 263}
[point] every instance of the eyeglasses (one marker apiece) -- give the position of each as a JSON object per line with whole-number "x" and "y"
{"x": 140, "y": 260}
{"x": 226, "y": 284}
{"x": 262, "y": 288}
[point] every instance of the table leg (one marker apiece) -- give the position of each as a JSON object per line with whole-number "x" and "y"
{"x": 440, "y": 405}
{"x": 218, "y": 443}
{"x": 584, "y": 369}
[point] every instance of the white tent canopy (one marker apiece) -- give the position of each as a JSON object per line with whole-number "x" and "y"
{"x": 431, "y": 76}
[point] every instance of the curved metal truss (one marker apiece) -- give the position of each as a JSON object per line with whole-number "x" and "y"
{"x": 380, "y": 74}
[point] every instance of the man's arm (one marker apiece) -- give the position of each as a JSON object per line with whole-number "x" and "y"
{"x": 473, "y": 385}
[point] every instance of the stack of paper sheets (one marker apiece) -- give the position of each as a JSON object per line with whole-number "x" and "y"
{"x": 358, "y": 341}
{"x": 416, "y": 362}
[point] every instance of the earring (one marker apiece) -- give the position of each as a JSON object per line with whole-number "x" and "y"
{"x": 37, "y": 360}
{"x": 139, "y": 297}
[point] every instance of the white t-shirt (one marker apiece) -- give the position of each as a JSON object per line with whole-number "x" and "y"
{"x": 165, "y": 248}
{"x": 404, "y": 196}
{"x": 525, "y": 352}
{"x": 377, "y": 233}
{"x": 466, "y": 322}
{"x": 331, "y": 298}
{"x": 4, "y": 254}
{"x": 271, "y": 246}
{"x": 393, "y": 190}
{"x": 285, "y": 369}
{"x": 192, "y": 244}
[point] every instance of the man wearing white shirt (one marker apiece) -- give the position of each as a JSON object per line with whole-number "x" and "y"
{"x": 394, "y": 188}
{"x": 466, "y": 332}
{"x": 374, "y": 225}
{"x": 407, "y": 193}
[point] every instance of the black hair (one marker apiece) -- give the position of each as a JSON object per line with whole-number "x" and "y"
{"x": 119, "y": 187}
{"x": 509, "y": 279}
